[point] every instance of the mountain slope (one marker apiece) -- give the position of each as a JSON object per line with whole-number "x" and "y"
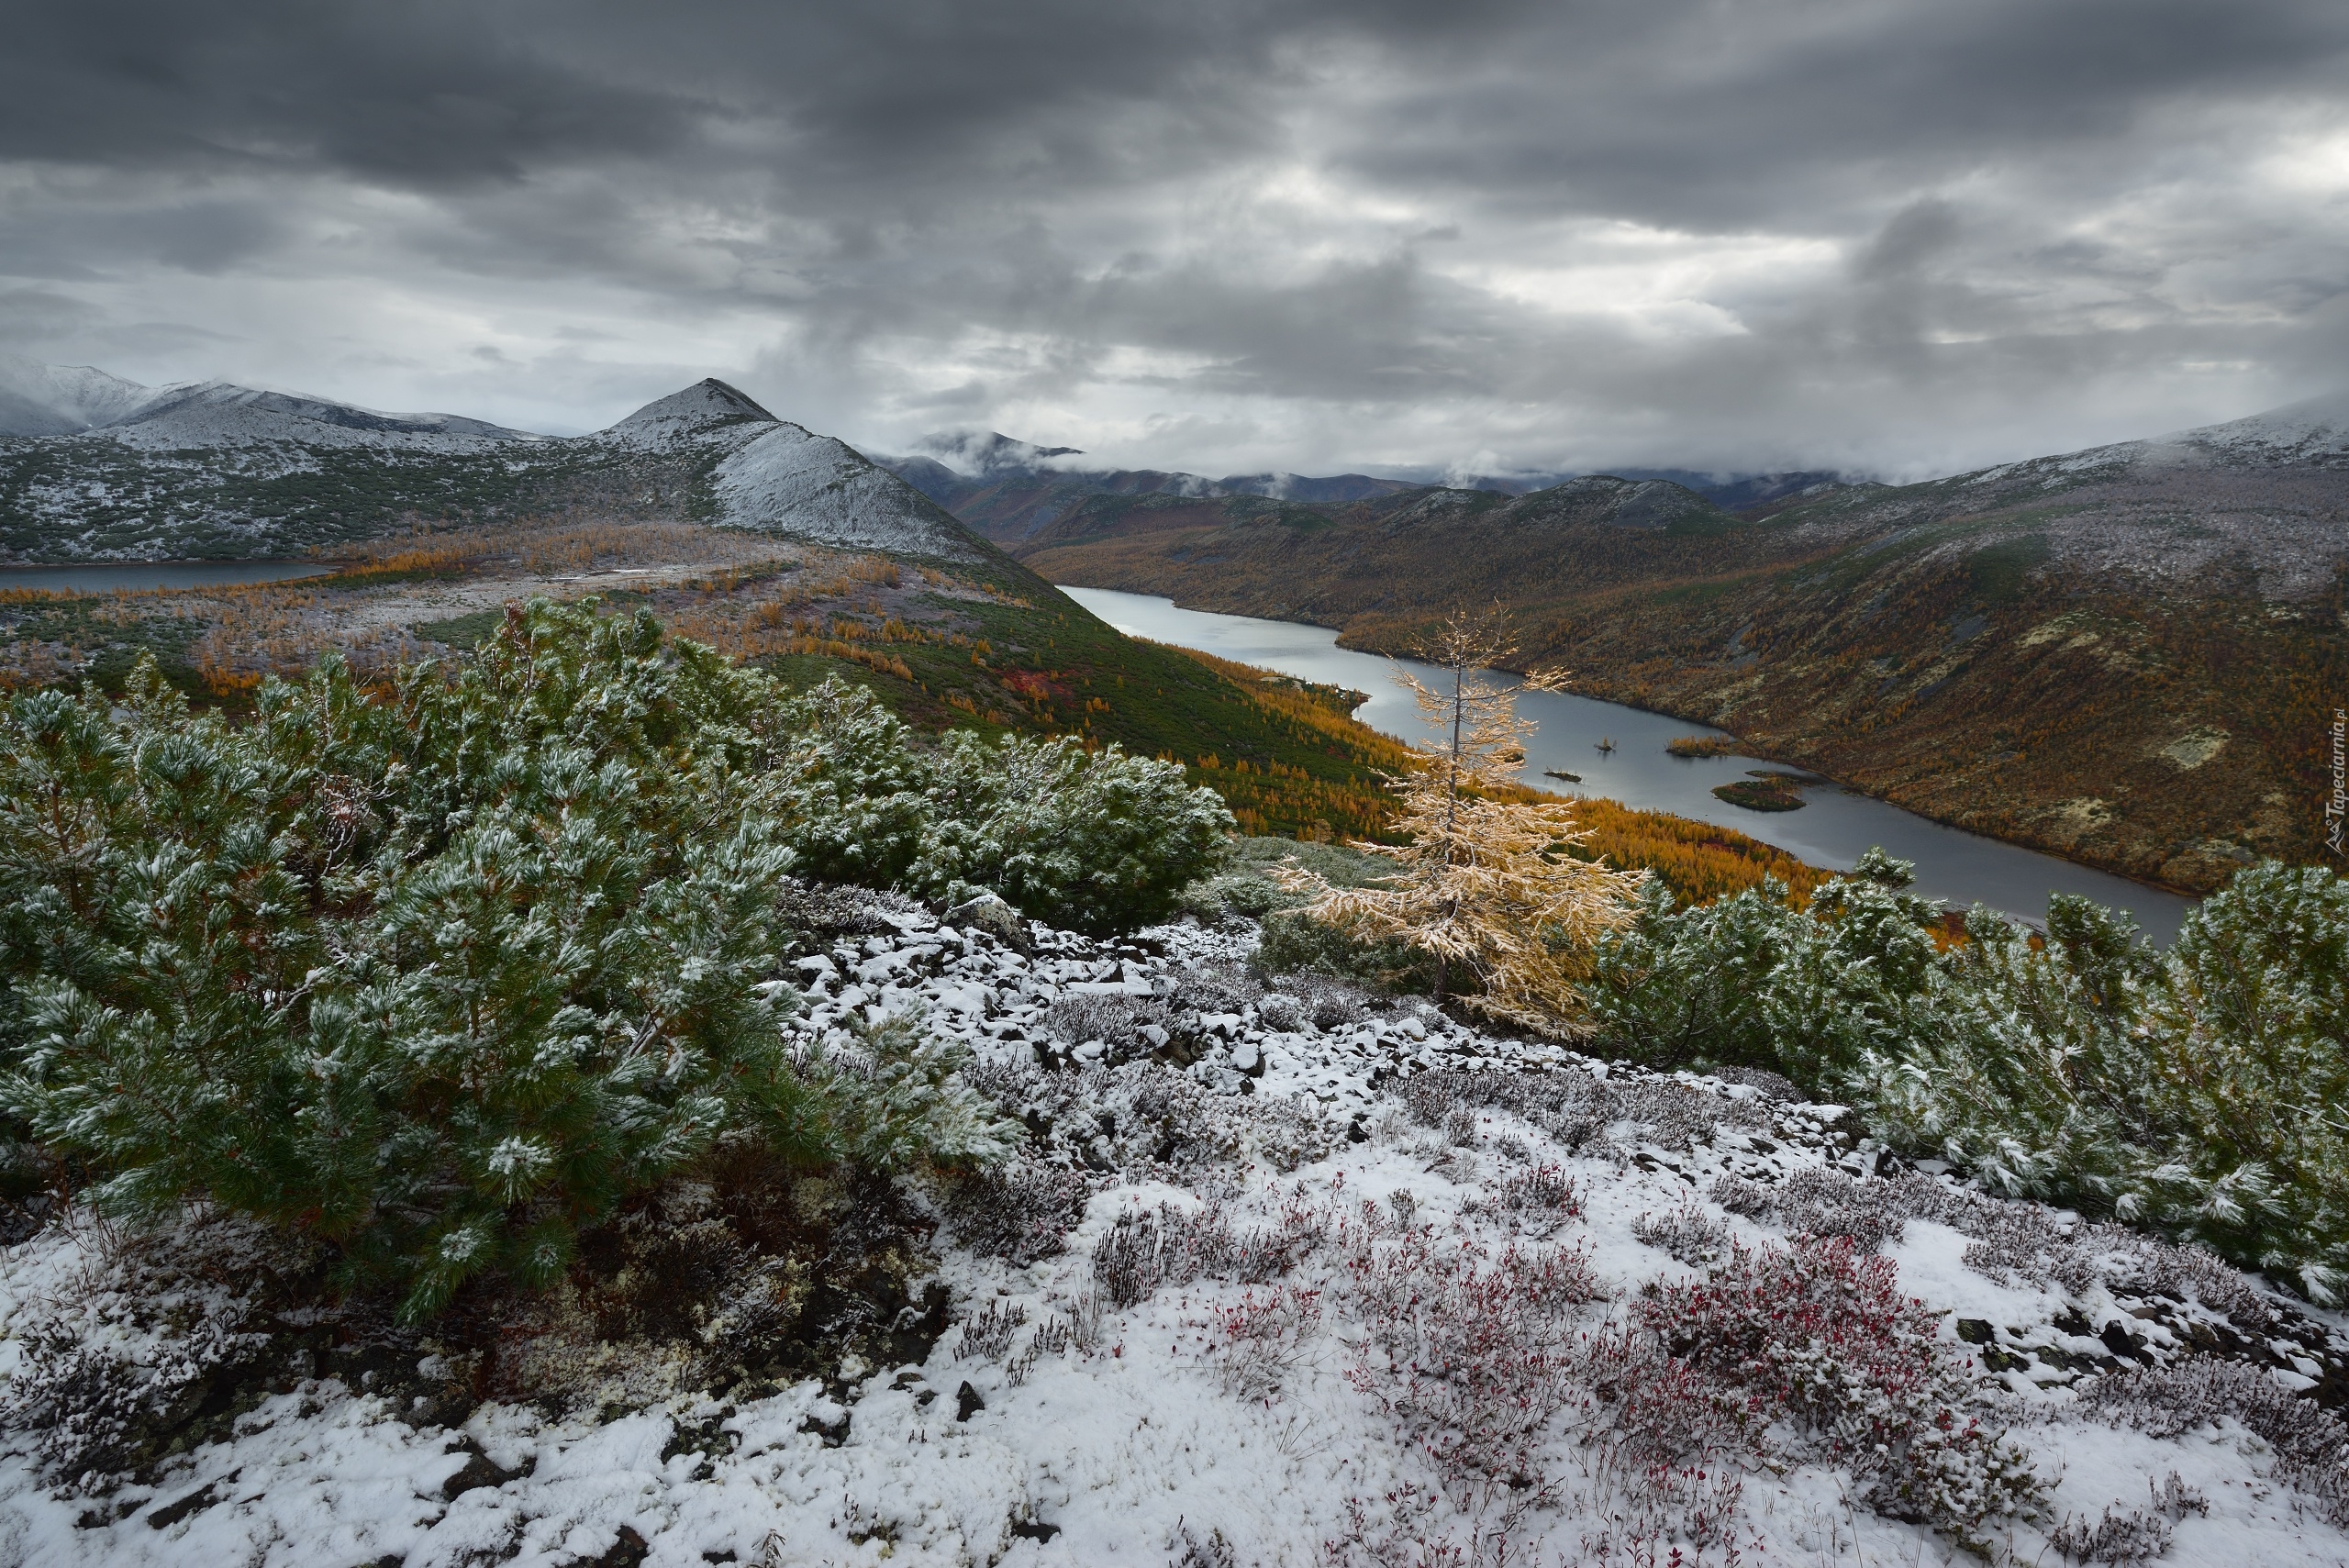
{"x": 1009, "y": 489}
{"x": 1392, "y": 555}
{"x": 57, "y": 400}
{"x": 216, "y": 470}
{"x": 2130, "y": 654}
{"x": 741, "y": 530}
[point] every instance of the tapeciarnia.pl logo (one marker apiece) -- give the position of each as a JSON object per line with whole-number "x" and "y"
{"x": 2336, "y": 809}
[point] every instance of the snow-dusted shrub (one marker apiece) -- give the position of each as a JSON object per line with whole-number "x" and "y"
{"x": 1019, "y": 1208}
{"x": 1571, "y": 1107}
{"x": 2121, "y": 1535}
{"x": 1245, "y": 894}
{"x": 1143, "y": 1251}
{"x": 1144, "y": 1116}
{"x": 1739, "y": 1196}
{"x": 1263, "y": 1339}
{"x": 140, "y": 1333}
{"x": 1293, "y": 945}
{"x": 1319, "y": 1001}
{"x": 1171, "y": 1246}
{"x": 1677, "y": 1116}
{"x": 1215, "y": 1551}
{"x": 93, "y": 1413}
{"x": 1113, "y": 1022}
{"x": 2312, "y": 1443}
{"x": 817, "y": 911}
{"x": 2188, "y": 1093}
{"x": 1775, "y": 1086}
{"x": 1817, "y": 1336}
{"x": 2124, "y": 1535}
{"x": 1750, "y": 981}
{"x": 1216, "y": 988}
{"x": 1091, "y": 841}
{"x": 1827, "y": 1202}
{"x": 1689, "y": 1233}
{"x": 439, "y": 979}
{"x": 2011, "y": 1240}
{"x": 1543, "y": 1189}
{"x": 988, "y": 1334}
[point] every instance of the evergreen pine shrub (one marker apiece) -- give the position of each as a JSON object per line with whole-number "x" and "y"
{"x": 2196, "y": 1092}
{"x": 440, "y": 976}
{"x": 1095, "y": 842}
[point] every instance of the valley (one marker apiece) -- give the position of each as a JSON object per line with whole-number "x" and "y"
{"x": 751, "y": 535}
{"x": 2126, "y": 656}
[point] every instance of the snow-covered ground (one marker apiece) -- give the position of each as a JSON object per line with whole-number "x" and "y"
{"x": 1345, "y": 1283}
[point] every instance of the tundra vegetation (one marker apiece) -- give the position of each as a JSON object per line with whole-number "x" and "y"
{"x": 2195, "y": 1092}
{"x": 547, "y": 1025}
{"x": 442, "y": 979}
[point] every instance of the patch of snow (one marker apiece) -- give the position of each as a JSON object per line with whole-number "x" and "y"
{"x": 1160, "y": 1426}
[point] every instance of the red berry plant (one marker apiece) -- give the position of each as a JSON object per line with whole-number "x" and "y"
{"x": 1811, "y": 1349}
{"x": 1475, "y": 1351}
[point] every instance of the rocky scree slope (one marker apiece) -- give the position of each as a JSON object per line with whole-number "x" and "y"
{"x": 2129, "y": 655}
{"x": 1279, "y": 1272}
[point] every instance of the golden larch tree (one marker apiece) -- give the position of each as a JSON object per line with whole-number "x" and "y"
{"x": 1486, "y": 881}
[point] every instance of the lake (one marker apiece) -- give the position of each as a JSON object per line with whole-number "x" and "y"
{"x": 104, "y": 577}
{"x": 1835, "y": 826}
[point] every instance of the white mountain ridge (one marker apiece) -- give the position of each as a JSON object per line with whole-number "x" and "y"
{"x": 183, "y": 441}
{"x": 2311, "y": 433}
{"x": 60, "y": 400}
{"x": 770, "y": 475}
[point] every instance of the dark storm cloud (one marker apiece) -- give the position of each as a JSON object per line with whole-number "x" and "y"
{"x": 1711, "y": 231}
{"x": 419, "y": 93}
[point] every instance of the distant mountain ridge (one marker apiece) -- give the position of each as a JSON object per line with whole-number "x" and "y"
{"x": 2128, "y": 654}
{"x": 64, "y": 400}
{"x": 213, "y": 470}
{"x": 1011, "y": 489}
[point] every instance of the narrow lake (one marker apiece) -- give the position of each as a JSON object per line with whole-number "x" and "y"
{"x": 1834, "y": 828}
{"x": 104, "y": 577}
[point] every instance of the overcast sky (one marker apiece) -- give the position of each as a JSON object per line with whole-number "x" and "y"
{"x": 1895, "y": 236}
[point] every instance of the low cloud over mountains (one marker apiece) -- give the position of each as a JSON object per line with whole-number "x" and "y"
{"x": 1900, "y": 238}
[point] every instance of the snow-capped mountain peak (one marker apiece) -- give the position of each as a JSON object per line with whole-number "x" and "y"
{"x": 60, "y": 400}
{"x": 707, "y": 404}
{"x": 221, "y": 412}
{"x": 2314, "y": 430}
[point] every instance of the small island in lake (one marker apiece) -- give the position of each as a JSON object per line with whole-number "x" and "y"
{"x": 1764, "y": 790}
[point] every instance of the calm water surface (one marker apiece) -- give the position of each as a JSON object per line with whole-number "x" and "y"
{"x": 1833, "y": 830}
{"x": 105, "y": 577}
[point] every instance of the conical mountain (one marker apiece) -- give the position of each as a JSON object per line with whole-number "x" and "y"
{"x": 781, "y": 478}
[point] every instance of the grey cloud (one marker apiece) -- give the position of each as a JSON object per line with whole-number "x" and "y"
{"x": 1265, "y": 224}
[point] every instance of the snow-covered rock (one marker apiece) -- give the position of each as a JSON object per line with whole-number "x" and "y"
{"x": 1262, "y": 1408}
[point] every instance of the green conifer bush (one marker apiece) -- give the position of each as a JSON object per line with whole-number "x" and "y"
{"x": 439, "y": 974}
{"x": 2197, "y": 1092}
{"x": 1095, "y": 843}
